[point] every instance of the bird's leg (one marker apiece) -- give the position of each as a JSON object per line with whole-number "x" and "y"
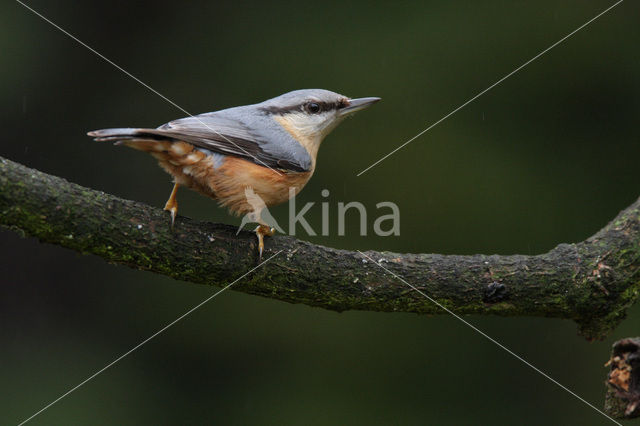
{"x": 172, "y": 204}
{"x": 261, "y": 231}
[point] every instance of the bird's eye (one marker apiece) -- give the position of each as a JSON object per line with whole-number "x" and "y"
{"x": 313, "y": 107}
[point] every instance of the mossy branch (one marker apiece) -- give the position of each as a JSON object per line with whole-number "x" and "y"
{"x": 591, "y": 282}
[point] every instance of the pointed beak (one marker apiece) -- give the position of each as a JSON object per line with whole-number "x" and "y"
{"x": 357, "y": 104}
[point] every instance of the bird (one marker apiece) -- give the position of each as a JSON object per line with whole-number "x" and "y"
{"x": 270, "y": 147}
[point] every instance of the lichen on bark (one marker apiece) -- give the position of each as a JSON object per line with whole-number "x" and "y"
{"x": 591, "y": 282}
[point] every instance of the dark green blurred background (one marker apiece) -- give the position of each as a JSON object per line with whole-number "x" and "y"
{"x": 548, "y": 156}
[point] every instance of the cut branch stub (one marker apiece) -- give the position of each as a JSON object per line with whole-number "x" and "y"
{"x": 622, "y": 400}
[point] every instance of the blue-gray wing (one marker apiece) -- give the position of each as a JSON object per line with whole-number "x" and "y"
{"x": 253, "y": 136}
{"x": 240, "y": 132}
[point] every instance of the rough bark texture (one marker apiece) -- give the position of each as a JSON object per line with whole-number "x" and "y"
{"x": 592, "y": 282}
{"x": 622, "y": 400}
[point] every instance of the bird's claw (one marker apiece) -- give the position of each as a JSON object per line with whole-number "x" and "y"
{"x": 174, "y": 212}
{"x": 261, "y": 232}
{"x": 172, "y": 205}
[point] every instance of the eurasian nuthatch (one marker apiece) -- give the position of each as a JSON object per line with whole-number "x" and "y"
{"x": 269, "y": 147}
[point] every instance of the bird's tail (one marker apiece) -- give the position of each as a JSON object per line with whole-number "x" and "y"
{"x": 147, "y": 140}
{"x": 128, "y": 134}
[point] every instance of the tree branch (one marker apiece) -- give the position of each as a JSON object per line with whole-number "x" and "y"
{"x": 592, "y": 282}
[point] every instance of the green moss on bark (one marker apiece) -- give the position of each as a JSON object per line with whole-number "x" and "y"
{"x": 592, "y": 282}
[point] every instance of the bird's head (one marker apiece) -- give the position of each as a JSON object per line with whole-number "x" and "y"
{"x": 311, "y": 114}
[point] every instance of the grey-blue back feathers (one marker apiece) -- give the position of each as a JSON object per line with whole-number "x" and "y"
{"x": 249, "y": 132}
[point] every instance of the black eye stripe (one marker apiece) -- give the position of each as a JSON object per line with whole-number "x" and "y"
{"x": 324, "y": 106}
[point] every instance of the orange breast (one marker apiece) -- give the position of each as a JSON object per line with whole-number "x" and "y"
{"x": 273, "y": 186}
{"x": 226, "y": 178}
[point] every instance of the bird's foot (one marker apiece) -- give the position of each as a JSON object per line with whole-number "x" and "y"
{"x": 261, "y": 232}
{"x": 172, "y": 205}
